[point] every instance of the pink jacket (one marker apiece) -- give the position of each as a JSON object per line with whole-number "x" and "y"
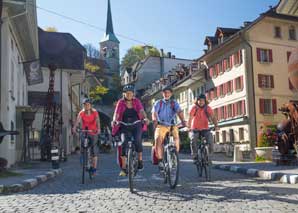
{"x": 121, "y": 107}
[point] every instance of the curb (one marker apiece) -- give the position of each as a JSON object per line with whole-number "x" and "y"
{"x": 267, "y": 175}
{"x": 29, "y": 183}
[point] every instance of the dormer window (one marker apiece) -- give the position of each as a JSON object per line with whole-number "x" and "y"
{"x": 220, "y": 38}
{"x": 209, "y": 45}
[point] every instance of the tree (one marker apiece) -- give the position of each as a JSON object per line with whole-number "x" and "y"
{"x": 51, "y": 29}
{"x": 97, "y": 92}
{"x": 92, "y": 52}
{"x": 92, "y": 67}
{"x": 137, "y": 53}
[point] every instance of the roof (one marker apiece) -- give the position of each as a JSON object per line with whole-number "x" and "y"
{"x": 109, "y": 35}
{"x": 212, "y": 39}
{"x": 269, "y": 13}
{"x": 61, "y": 49}
{"x": 226, "y": 31}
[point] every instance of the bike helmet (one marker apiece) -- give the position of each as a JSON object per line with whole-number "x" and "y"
{"x": 87, "y": 100}
{"x": 127, "y": 88}
{"x": 167, "y": 88}
{"x": 201, "y": 96}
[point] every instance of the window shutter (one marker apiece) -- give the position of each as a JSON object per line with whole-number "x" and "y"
{"x": 258, "y": 54}
{"x": 240, "y": 56}
{"x": 218, "y": 91}
{"x": 291, "y": 87}
{"x": 272, "y": 81}
{"x": 236, "y": 109}
{"x": 225, "y": 112}
{"x": 232, "y": 86}
{"x": 235, "y": 84}
{"x": 270, "y": 56}
{"x": 231, "y": 61}
{"x": 260, "y": 80}
{"x": 274, "y": 106}
{"x": 219, "y": 113}
{"x": 288, "y": 55}
{"x": 224, "y": 65}
{"x": 241, "y": 82}
{"x": 211, "y": 71}
{"x": 243, "y": 107}
{"x": 233, "y": 110}
{"x": 262, "y": 106}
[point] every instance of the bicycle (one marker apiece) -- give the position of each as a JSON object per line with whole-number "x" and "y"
{"x": 86, "y": 156}
{"x": 131, "y": 160}
{"x": 203, "y": 163}
{"x": 170, "y": 160}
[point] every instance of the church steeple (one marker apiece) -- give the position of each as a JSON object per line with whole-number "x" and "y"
{"x": 109, "y": 35}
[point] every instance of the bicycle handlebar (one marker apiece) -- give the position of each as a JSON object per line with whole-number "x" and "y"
{"x": 128, "y": 124}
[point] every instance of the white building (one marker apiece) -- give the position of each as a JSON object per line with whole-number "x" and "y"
{"x": 19, "y": 43}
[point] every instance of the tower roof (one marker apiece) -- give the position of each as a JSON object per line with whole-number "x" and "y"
{"x": 109, "y": 35}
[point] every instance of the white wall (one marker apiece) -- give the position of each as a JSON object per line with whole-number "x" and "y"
{"x": 13, "y": 88}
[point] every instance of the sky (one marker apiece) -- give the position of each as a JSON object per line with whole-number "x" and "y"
{"x": 177, "y": 26}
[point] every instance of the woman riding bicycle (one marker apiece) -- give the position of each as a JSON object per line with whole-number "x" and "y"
{"x": 129, "y": 109}
{"x": 89, "y": 118}
{"x": 199, "y": 116}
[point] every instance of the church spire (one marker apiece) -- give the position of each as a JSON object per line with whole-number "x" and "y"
{"x": 109, "y": 35}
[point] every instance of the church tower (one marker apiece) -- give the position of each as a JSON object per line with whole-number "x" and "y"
{"x": 109, "y": 45}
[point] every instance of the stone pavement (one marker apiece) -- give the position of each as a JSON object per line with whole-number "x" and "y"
{"x": 32, "y": 174}
{"x": 227, "y": 192}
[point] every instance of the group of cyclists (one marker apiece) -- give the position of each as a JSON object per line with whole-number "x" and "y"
{"x": 164, "y": 112}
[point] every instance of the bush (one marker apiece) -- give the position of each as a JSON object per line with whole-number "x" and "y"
{"x": 184, "y": 141}
{"x": 267, "y": 136}
{"x": 260, "y": 159}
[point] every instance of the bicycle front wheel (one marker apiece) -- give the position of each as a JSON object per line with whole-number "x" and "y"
{"x": 206, "y": 163}
{"x": 130, "y": 166}
{"x": 173, "y": 168}
{"x": 199, "y": 164}
{"x": 84, "y": 165}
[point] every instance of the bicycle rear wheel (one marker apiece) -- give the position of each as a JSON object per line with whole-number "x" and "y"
{"x": 130, "y": 166}
{"x": 173, "y": 168}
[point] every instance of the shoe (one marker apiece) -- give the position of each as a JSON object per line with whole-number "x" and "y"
{"x": 140, "y": 165}
{"x": 160, "y": 166}
{"x": 122, "y": 173}
{"x": 195, "y": 159}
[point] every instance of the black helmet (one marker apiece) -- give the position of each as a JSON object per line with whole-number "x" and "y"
{"x": 201, "y": 96}
{"x": 165, "y": 88}
{"x": 127, "y": 88}
{"x": 87, "y": 100}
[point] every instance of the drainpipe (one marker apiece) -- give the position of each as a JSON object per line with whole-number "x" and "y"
{"x": 1, "y": 8}
{"x": 252, "y": 114}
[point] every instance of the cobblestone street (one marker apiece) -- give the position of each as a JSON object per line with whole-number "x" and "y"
{"x": 228, "y": 192}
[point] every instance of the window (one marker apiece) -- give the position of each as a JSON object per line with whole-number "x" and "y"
{"x": 264, "y": 55}
{"x": 227, "y": 64}
{"x": 229, "y": 111}
{"x": 224, "y": 136}
{"x": 221, "y": 90}
{"x": 229, "y": 86}
{"x": 277, "y": 32}
{"x": 215, "y": 92}
{"x": 12, "y": 128}
{"x": 239, "y": 108}
{"x": 222, "y": 112}
{"x": 266, "y": 81}
{"x": 12, "y": 79}
{"x": 238, "y": 83}
{"x": 292, "y": 33}
{"x": 241, "y": 134}
{"x": 217, "y": 137}
{"x": 231, "y": 133}
{"x": 268, "y": 106}
{"x": 237, "y": 57}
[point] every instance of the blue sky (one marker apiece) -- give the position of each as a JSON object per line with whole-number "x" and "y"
{"x": 178, "y": 26}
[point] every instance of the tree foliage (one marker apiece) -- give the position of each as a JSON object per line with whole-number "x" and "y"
{"x": 51, "y": 29}
{"x": 97, "y": 92}
{"x": 92, "y": 67}
{"x": 137, "y": 53}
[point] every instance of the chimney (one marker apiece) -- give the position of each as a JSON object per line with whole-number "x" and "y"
{"x": 161, "y": 53}
{"x": 169, "y": 54}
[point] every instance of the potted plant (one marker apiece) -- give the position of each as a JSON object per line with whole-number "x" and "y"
{"x": 267, "y": 137}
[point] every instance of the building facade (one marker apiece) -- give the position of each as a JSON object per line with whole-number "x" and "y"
{"x": 19, "y": 43}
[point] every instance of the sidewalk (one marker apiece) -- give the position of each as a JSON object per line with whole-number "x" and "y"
{"x": 266, "y": 170}
{"x": 28, "y": 176}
